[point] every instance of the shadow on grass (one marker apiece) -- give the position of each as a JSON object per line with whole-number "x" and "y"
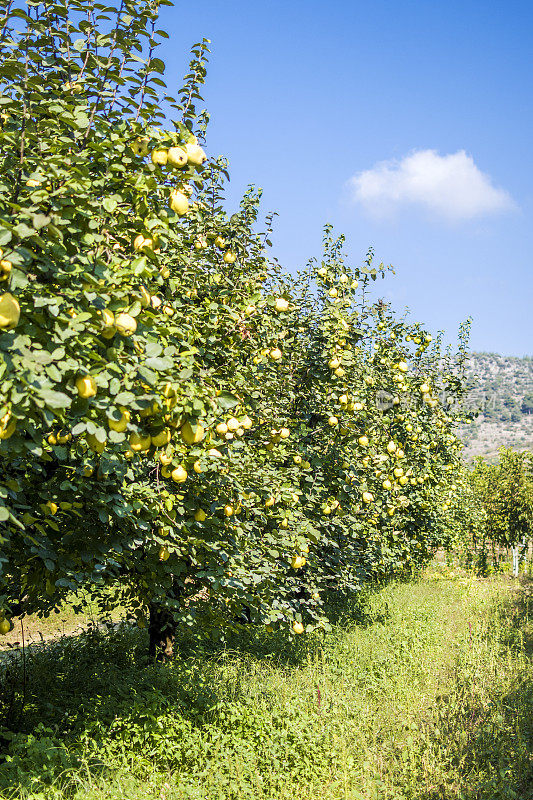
{"x": 96, "y": 686}
{"x": 486, "y": 732}
{"x": 489, "y": 750}
{"x": 521, "y": 617}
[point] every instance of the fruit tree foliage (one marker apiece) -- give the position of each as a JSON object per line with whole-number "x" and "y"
{"x": 181, "y": 422}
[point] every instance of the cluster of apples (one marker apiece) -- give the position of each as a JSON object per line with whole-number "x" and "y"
{"x": 177, "y": 157}
{"x": 344, "y": 282}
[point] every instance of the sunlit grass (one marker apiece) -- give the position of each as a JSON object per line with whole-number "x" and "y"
{"x": 429, "y": 697}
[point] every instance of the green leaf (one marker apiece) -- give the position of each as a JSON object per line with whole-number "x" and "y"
{"x": 23, "y": 231}
{"x": 153, "y": 349}
{"x": 148, "y": 375}
{"x": 160, "y": 364}
{"x": 227, "y": 400}
{"x": 54, "y": 399}
{"x": 5, "y": 237}
{"x": 40, "y": 220}
{"x": 109, "y": 204}
{"x": 124, "y": 398}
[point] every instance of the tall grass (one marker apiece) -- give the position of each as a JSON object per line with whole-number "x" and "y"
{"x": 427, "y": 692}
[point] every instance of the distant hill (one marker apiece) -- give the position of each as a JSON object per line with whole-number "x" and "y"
{"x": 502, "y": 390}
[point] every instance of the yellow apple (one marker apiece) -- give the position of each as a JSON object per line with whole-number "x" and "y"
{"x": 142, "y": 241}
{"x": 159, "y": 156}
{"x": 145, "y": 296}
{"x": 195, "y": 154}
{"x": 162, "y": 438}
{"x": 95, "y": 445}
{"x": 178, "y": 202}
{"x": 86, "y": 386}
{"x": 125, "y": 324}
{"x": 7, "y": 426}
{"x": 192, "y": 433}
{"x": 297, "y": 627}
{"x": 121, "y": 424}
{"x": 179, "y": 475}
{"x": 298, "y": 561}
{"x": 9, "y": 311}
{"x": 177, "y": 157}
{"x": 141, "y": 146}
{"x": 139, "y": 442}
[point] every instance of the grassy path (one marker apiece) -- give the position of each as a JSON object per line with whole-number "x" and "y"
{"x": 429, "y": 696}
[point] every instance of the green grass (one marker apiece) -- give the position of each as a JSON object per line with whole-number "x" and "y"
{"x": 426, "y": 693}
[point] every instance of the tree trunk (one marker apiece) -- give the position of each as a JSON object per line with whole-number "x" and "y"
{"x": 162, "y": 631}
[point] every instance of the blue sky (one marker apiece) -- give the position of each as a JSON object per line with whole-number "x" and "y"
{"x": 309, "y": 99}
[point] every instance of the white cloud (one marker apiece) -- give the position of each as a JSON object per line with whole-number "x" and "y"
{"x": 450, "y": 186}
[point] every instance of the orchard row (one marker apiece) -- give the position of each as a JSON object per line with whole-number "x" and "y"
{"x": 182, "y": 424}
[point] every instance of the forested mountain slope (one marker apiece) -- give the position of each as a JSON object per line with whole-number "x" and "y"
{"x": 502, "y": 391}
